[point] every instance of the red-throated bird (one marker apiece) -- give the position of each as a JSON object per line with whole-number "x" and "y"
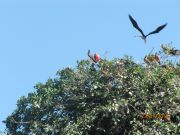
{"x": 96, "y": 57}
{"x": 143, "y": 36}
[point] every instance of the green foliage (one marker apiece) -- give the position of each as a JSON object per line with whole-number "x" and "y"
{"x": 108, "y": 98}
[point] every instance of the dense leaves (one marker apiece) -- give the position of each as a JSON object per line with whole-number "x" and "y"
{"x": 108, "y": 98}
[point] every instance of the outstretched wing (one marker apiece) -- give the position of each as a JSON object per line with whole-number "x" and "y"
{"x": 158, "y": 29}
{"x": 134, "y": 23}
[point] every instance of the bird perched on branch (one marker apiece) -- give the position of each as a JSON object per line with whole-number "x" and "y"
{"x": 96, "y": 57}
{"x": 175, "y": 52}
{"x": 152, "y": 59}
{"x": 170, "y": 51}
{"x": 143, "y": 36}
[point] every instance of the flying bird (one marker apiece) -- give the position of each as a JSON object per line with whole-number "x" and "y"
{"x": 143, "y": 36}
{"x": 96, "y": 57}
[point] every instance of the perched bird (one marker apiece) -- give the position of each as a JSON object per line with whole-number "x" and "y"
{"x": 175, "y": 52}
{"x": 96, "y": 57}
{"x": 143, "y": 36}
{"x": 170, "y": 51}
{"x": 157, "y": 58}
{"x": 152, "y": 59}
{"x": 146, "y": 60}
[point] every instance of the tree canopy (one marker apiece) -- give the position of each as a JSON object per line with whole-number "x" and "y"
{"x": 108, "y": 98}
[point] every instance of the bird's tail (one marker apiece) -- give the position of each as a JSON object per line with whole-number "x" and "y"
{"x": 143, "y": 38}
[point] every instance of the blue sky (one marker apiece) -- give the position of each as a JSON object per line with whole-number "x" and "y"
{"x": 39, "y": 37}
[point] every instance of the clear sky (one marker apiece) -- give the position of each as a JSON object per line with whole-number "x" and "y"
{"x": 38, "y": 37}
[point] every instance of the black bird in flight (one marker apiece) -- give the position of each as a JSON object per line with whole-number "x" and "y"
{"x": 157, "y": 30}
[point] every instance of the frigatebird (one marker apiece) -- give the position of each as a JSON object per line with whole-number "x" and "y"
{"x": 175, "y": 52}
{"x": 143, "y": 36}
{"x": 152, "y": 59}
{"x": 96, "y": 57}
{"x": 170, "y": 51}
